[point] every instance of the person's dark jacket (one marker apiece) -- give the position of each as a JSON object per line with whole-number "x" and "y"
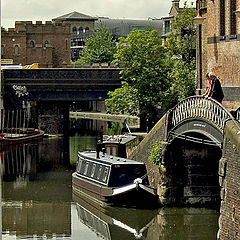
{"x": 216, "y": 91}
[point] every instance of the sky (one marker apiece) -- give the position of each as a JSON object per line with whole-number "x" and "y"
{"x": 46, "y": 10}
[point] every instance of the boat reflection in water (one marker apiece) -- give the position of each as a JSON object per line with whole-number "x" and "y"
{"x": 113, "y": 223}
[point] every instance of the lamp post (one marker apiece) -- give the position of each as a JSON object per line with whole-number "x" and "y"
{"x": 198, "y": 20}
{"x": 237, "y": 13}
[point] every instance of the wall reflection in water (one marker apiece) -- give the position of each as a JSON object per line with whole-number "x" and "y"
{"x": 36, "y": 194}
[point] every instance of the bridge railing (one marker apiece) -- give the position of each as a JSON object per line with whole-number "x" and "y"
{"x": 200, "y": 107}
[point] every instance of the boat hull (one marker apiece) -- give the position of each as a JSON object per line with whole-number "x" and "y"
{"x": 131, "y": 195}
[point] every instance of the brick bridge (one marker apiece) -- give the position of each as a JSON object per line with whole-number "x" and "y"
{"x": 49, "y": 92}
{"x": 200, "y": 162}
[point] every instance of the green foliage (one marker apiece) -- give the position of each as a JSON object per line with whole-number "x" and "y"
{"x": 181, "y": 55}
{"x": 115, "y": 129}
{"x": 123, "y": 100}
{"x": 142, "y": 57}
{"x": 100, "y": 47}
{"x": 156, "y": 153}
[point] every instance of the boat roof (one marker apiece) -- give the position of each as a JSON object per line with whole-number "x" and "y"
{"x": 119, "y": 139}
{"x": 106, "y": 158}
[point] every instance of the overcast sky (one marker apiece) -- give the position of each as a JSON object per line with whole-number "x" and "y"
{"x": 46, "y": 10}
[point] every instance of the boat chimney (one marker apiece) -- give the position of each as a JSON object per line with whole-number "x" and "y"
{"x": 99, "y": 146}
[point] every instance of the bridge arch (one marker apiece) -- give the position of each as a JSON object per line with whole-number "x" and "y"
{"x": 194, "y": 149}
{"x": 200, "y": 115}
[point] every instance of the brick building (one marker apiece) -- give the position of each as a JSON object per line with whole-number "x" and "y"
{"x": 46, "y": 44}
{"x": 220, "y": 46}
{"x": 82, "y": 27}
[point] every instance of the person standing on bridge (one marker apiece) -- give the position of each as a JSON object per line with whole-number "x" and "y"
{"x": 214, "y": 88}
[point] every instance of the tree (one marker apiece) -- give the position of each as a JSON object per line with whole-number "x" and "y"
{"x": 100, "y": 47}
{"x": 123, "y": 100}
{"x": 181, "y": 54}
{"x": 142, "y": 57}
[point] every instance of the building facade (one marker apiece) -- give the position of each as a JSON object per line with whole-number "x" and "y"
{"x": 81, "y": 28}
{"x": 46, "y": 44}
{"x": 219, "y": 47}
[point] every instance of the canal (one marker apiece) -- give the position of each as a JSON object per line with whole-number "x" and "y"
{"x": 37, "y": 201}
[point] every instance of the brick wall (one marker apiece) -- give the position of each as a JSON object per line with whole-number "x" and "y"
{"x": 229, "y": 179}
{"x": 47, "y": 44}
{"x": 223, "y": 51}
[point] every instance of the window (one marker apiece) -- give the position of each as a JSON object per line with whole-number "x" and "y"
{"x": 86, "y": 29}
{"x": 74, "y": 30}
{"x": 46, "y": 43}
{"x": 233, "y": 29}
{"x": 66, "y": 44}
{"x": 167, "y": 26}
{"x": 80, "y": 30}
{"x": 99, "y": 172}
{"x": 105, "y": 174}
{"x": 93, "y": 170}
{"x": 86, "y": 169}
{"x": 222, "y": 17}
{"x": 32, "y": 44}
{"x": 79, "y": 166}
{"x": 2, "y": 50}
{"x": 16, "y": 50}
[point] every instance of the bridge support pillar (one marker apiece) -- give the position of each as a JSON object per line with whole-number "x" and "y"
{"x": 52, "y": 118}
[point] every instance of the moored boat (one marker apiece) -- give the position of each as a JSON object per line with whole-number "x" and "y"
{"x": 19, "y": 136}
{"x": 113, "y": 180}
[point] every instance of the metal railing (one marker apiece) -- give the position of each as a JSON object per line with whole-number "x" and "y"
{"x": 201, "y": 108}
{"x": 14, "y": 121}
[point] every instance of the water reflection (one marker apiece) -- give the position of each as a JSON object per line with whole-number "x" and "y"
{"x": 38, "y": 203}
{"x": 113, "y": 222}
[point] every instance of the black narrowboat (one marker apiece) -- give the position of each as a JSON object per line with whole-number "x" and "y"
{"x": 113, "y": 180}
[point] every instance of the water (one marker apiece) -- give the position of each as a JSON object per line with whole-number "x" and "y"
{"x": 37, "y": 202}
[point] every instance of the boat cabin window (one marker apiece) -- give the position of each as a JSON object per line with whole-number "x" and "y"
{"x": 86, "y": 169}
{"x": 99, "y": 173}
{"x": 111, "y": 149}
{"x": 79, "y": 165}
{"x": 105, "y": 174}
{"x": 95, "y": 171}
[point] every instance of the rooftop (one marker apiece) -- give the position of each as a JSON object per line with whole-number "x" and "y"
{"x": 75, "y": 16}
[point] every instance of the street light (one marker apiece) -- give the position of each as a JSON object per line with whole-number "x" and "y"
{"x": 199, "y": 18}
{"x": 237, "y": 12}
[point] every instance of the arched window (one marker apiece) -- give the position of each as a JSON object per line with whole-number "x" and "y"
{"x": 222, "y": 17}
{"x": 233, "y": 29}
{"x": 16, "y": 50}
{"x": 86, "y": 29}
{"x": 66, "y": 44}
{"x": 80, "y": 30}
{"x": 32, "y": 44}
{"x": 74, "y": 30}
{"x": 46, "y": 43}
{"x": 2, "y": 50}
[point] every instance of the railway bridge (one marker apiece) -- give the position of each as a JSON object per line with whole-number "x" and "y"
{"x": 49, "y": 93}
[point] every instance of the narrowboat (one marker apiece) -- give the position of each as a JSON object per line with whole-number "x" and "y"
{"x": 20, "y": 136}
{"x": 112, "y": 180}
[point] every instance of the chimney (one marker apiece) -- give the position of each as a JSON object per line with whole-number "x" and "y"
{"x": 175, "y": 4}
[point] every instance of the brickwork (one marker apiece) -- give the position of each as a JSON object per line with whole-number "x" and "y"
{"x": 229, "y": 179}
{"x": 47, "y": 44}
{"x": 222, "y": 51}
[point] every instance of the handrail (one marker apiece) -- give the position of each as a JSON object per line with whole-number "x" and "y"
{"x": 201, "y": 107}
